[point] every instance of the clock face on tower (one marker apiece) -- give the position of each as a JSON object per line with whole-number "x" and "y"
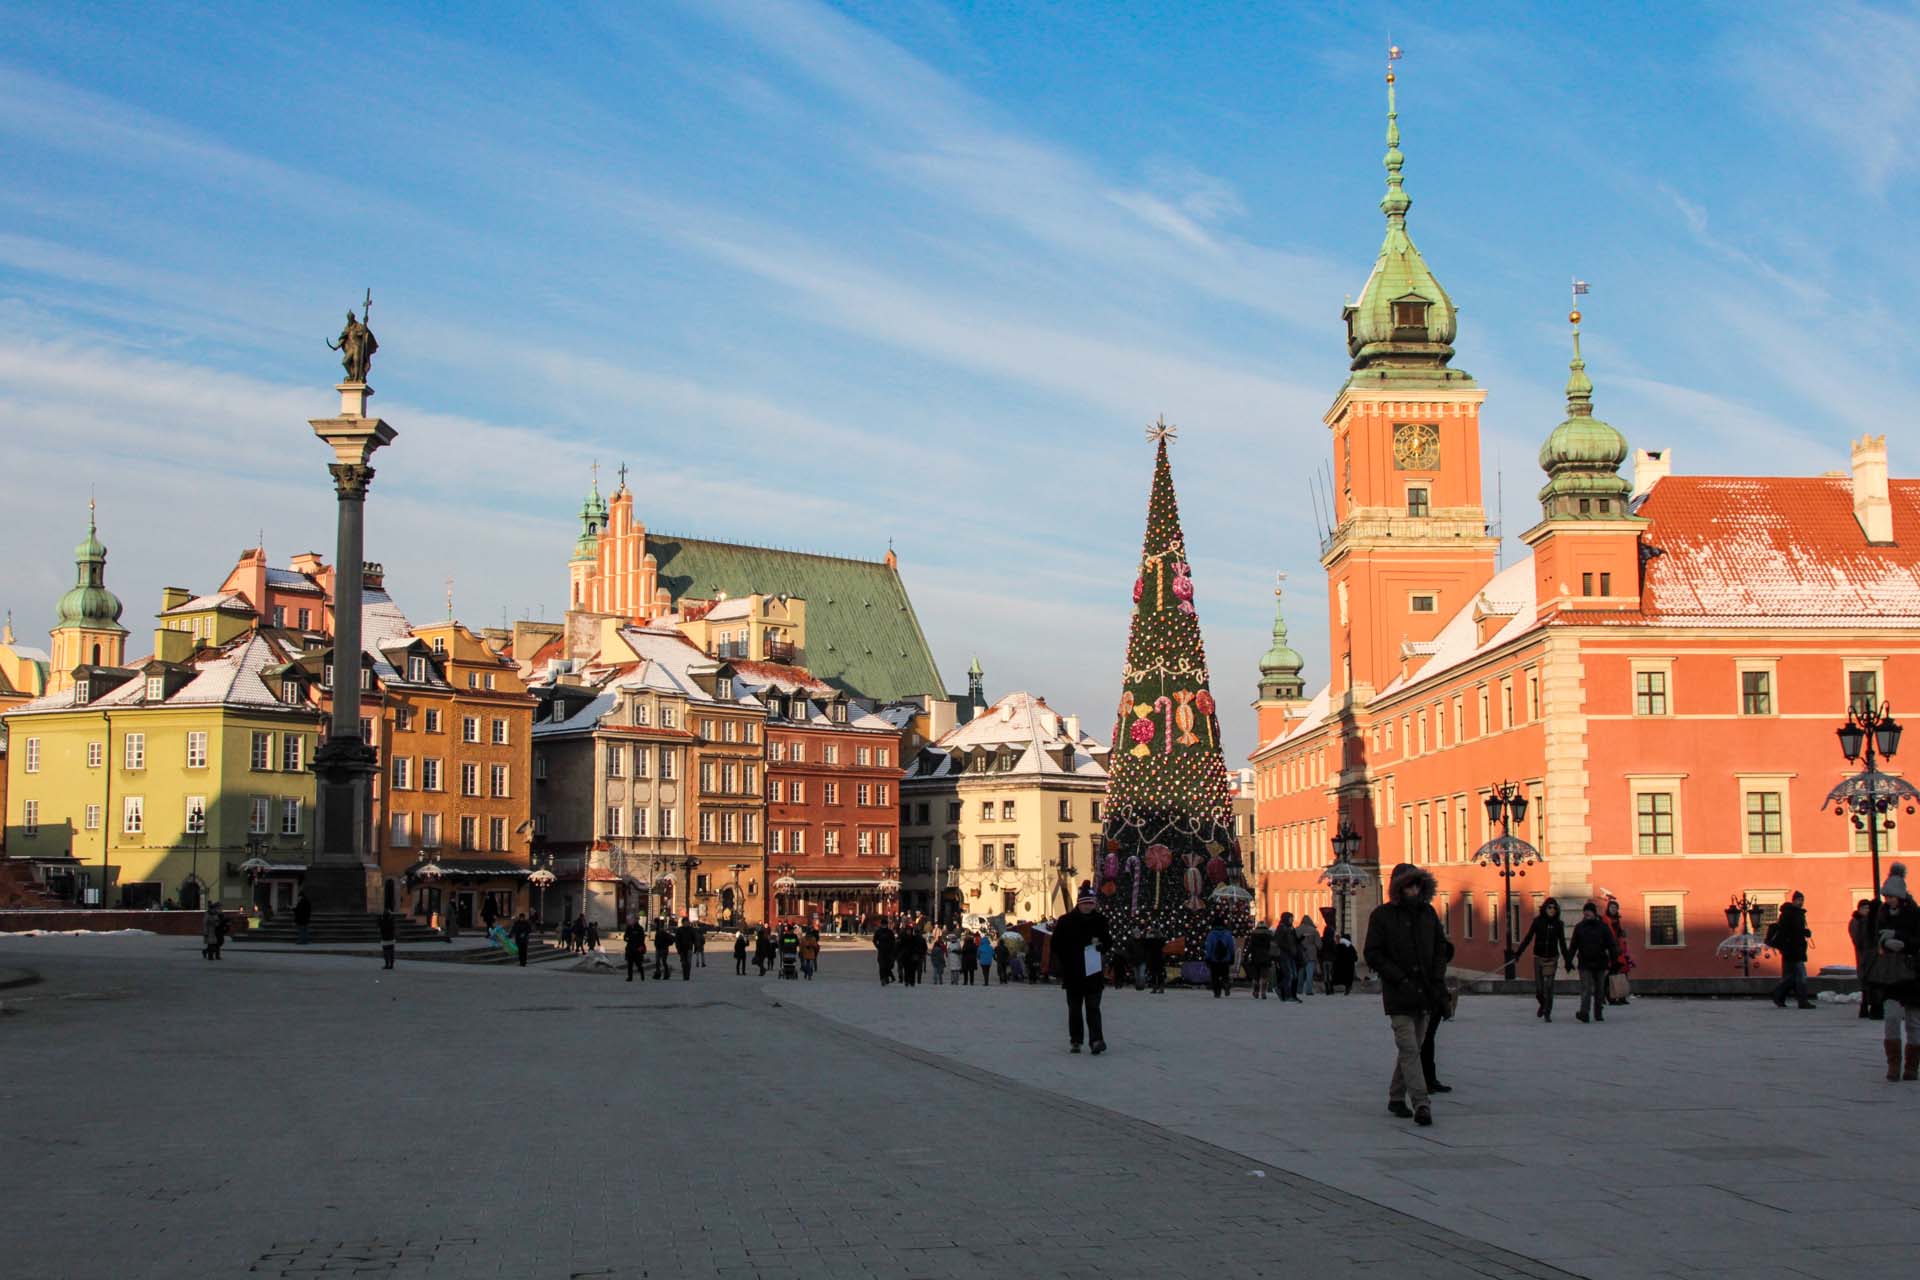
{"x": 1416, "y": 447}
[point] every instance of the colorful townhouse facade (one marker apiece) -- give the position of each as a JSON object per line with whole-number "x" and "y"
{"x": 1001, "y": 815}
{"x": 1660, "y": 676}
{"x": 832, "y": 778}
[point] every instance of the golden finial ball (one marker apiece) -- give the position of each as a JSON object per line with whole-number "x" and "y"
{"x": 1573, "y": 317}
{"x": 1389, "y": 75}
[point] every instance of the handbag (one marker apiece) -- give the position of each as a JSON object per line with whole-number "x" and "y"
{"x": 1617, "y": 986}
{"x": 1891, "y": 969}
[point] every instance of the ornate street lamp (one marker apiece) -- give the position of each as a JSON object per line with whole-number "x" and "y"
{"x": 1871, "y": 734}
{"x": 1343, "y": 876}
{"x": 1745, "y": 944}
{"x": 541, "y": 878}
{"x": 888, "y": 886}
{"x": 1507, "y": 805}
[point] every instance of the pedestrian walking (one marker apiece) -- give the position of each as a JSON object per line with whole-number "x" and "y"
{"x": 488, "y": 914}
{"x": 1153, "y": 948}
{"x": 809, "y": 953}
{"x": 635, "y": 937}
{"x": 884, "y": 943}
{"x": 684, "y": 939}
{"x": 1217, "y": 949}
{"x": 522, "y": 933}
{"x": 1547, "y": 935}
{"x": 389, "y": 933}
{"x": 1015, "y": 943}
{"x": 1896, "y": 971}
{"x": 1619, "y": 985}
{"x": 1862, "y": 934}
{"x": 210, "y": 932}
{"x": 937, "y": 955}
{"x": 700, "y": 944}
{"x": 1259, "y": 959}
{"x": 913, "y": 957}
{"x": 580, "y": 933}
{"x": 740, "y": 953}
{"x": 593, "y": 936}
{"x": 985, "y": 958}
{"x": 969, "y": 958}
{"x": 1309, "y": 954}
{"x": 1406, "y": 948}
{"x": 1346, "y": 964}
{"x": 1286, "y": 954}
{"x": 763, "y": 950}
{"x": 566, "y": 935}
{"x": 1593, "y": 950}
{"x": 662, "y": 948}
{"x": 1081, "y": 943}
{"x": 1442, "y": 1012}
{"x": 302, "y": 918}
{"x": 1788, "y": 935}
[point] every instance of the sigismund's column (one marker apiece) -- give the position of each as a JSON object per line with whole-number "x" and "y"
{"x": 342, "y": 876}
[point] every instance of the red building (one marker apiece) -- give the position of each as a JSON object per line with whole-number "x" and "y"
{"x": 1660, "y": 676}
{"x": 833, "y": 825}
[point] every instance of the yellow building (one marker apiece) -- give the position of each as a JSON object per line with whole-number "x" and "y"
{"x": 158, "y": 782}
{"x": 1001, "y": 815}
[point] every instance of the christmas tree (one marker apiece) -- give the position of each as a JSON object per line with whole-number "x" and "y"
{"x": 1169, "y": 862}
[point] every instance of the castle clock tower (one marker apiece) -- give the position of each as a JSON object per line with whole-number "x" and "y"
{"x": 1410, "y": 545}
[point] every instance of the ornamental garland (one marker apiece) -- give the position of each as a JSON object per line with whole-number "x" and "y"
{"x": 1168, "y": 841}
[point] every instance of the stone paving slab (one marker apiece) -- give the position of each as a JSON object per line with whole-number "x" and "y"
{"x": 297, "y": 1116}
{"x": 1678, "y": 1136}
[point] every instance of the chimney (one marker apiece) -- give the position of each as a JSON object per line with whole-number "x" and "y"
{"x": 1073, "y": 728}
{"x": 1871, "y": 506}
{"x": 173, "y": 597}
{"x": 1649, "y": 467}
{"x": 373, "y": 575}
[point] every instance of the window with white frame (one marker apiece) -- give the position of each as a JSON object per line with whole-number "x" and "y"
{"x": 96, "y": 754}
{"x": 496, "y": 835}
{"x": 292, "y": 752}
{"x": 863, "y": 794}
{"x": 882, "y": 757}
{"x": 1654, "y": 822}
{"x": 706, "y": 826}
{"x": 30, "y": 817}
{"x": 93, "y": 817}
{"x": 290, "y": 816}
{"x": 499, "y": 732}
{"x": 403, "y": 773}
{"x": 497, "y": 782}
{"x": 417, "y": 668}
{"x": 863, "y": 843}
{"x": 1666, "y": 926}
{"x": 430, "y": 773}
{"x": 774, "y": 839}
{"x": 641, "y": 820}
{"x": 469, "y": 833}
{"x": 401, "y": 830}
{"x": 616, "y": 818}
{"x": 433, "y": 720}
{"x": 31, "y": 755}
{"x": 430, "y": 831}
{"x": 133, "y": 754}
{"x": 469, "y": 779}
{"x": 830, "y": 791}
{"x": 1650, "y": 690}
{"x": 666, "y": 764}
{"x": 469, "y": 728}
{"x": 133, "y": 813}
{"x": 729, "y": 827}
{"x": 668, "y": 821}
{"x": 259, "y": 814}
{"x": 831, "y": 842}
{"x": 617, "y": 759}
{"x": 885, "y": 843}
{"x": 797, "y": 842}
{"x": 196, "y": 815}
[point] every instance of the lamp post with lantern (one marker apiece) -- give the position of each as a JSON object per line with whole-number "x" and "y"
{"x": 1343, "y": 876}
{"x": 1746, "y": 943}
{"x": 1870, "y": 735}
{"x": 1506, "y": 806}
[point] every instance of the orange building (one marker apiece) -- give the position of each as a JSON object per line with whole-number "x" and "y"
{"x": 1661, "y": 675}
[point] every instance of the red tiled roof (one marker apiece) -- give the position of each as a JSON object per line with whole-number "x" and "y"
{"x": 551, "y": 649}
{"x": 780, "y": 671}
{"x": 1783, "y": 550}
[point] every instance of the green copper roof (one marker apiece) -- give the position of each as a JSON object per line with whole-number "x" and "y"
{"x": 1402, "y": 328}
{"x": 89, "y": 605}
{"x": 862, "y": 635}
{"x": 1582, "y": 456}
{"x": 1282, "y": 659}
{"x": 593, "y": 518}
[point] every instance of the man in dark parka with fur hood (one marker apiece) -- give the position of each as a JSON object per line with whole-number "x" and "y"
{"x": 1407, "y": 948}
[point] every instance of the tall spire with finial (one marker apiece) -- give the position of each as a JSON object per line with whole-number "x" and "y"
{"x": 1402, "y": 327}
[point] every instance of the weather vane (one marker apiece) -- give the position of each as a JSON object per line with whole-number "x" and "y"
{"x": 1579, "y": 287}
{"x": 1162, "y": 431}
{"x": 1393, "y": 56}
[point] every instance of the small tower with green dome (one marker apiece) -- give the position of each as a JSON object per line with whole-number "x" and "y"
{"x": 86, "y": 628}
{"x": 586, "y": 548}
{"x": 1282, "y": 687}
{"x": 1586, "y": 548}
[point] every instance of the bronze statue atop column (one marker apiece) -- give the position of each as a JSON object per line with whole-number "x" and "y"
{"x": 357, "y": 343}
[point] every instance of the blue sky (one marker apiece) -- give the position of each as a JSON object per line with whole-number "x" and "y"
{"x": 826, "y": 275}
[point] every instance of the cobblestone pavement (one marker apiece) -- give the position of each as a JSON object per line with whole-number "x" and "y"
{"x": 1692, "y": 1138}
{"x": 289, "y": 1115}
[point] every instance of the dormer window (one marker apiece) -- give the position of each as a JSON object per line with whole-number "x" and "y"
{"x": 156, "y": 688}
{"x": 417, "y": 669}
{"x": 290, "y": 692}
{"x": 1410, "y": 313}
{"x": 723, "y": 688}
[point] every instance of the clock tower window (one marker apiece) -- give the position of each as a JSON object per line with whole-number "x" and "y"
{"x": 1417, "y": 500}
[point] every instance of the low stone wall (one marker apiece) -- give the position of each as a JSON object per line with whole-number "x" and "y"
{"x": 181, "y": 923}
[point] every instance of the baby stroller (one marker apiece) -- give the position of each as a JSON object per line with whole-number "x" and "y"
{"x": 789, "y": 956}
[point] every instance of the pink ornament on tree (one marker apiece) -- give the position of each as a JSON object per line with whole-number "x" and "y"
{"x": 1217, "y": 869}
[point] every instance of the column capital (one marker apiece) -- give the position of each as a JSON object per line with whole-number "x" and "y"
{"x": 351, "y": 480}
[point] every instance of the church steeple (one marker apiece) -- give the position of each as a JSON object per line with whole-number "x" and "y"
{"x": 1403, "y": 326}
{"x": 86, "y": 627}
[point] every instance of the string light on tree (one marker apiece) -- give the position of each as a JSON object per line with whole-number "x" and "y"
{"x": 1168, "y": 845}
